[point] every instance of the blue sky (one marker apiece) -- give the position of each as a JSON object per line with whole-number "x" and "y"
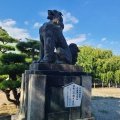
{"x": 87, "y": 22}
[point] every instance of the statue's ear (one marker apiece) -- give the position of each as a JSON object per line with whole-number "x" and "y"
{"x": 60, "y": 13}
{"x": 50, "y": 12}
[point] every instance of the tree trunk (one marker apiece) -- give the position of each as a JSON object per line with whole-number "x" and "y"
{"x": 94, "y": 85}
{"x": 15, "y": 94}
{"x": 102, "y": 85}
{"x": 33, "y": 55}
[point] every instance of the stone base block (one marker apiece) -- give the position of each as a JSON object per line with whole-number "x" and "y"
{"x": 14, "y": 117}
{"x": 42, "y": 93}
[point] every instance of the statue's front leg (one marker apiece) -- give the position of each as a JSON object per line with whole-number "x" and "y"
{"x": 41, "y": 53}
{"x": 49, "y": 56}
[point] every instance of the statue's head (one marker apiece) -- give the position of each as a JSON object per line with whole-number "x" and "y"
{"x": 52, "y": 14}
{"x": 56, "y": 17}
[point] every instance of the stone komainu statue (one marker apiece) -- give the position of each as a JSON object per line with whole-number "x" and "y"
{"x": 53, "y": 47}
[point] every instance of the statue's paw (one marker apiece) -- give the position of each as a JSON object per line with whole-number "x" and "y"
{"x": 47, "y": 59}
{"x": 44, "y": 61}
{"x": 34, "y": 61}
{"x": 38, "y": 61}
{"x": 60, "y": 62}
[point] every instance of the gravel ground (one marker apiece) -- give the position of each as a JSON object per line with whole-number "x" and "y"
{"x": 105, "y": 107}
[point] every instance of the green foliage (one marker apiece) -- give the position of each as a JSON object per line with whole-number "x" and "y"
{"x": 13, "y": 69}
{"x": 3, "y": 77}
{"x": 29, "y": 59}
{"x": 117, "y": 76}
{"x": 4, "y": 48}
{"x": 9, "y": 84}
{"x": 102, "y": 64}
{"x": 85, "y": 58}
{"x": 4, "y": 40}
{"x": 103, "y": 77}
{"x": 12, "y": 58}
{"x": 31, "y": 47}
{"x": 13, "y": 65}
{"x": 110, "y": 76}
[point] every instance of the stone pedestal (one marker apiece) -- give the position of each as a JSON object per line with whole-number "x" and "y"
{"x": 42, "y": 92}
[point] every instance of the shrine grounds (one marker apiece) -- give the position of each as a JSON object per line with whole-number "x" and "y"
{"x": 105, "y": 104}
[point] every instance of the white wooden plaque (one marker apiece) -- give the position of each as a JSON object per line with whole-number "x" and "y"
{"x": 72, "y": 95}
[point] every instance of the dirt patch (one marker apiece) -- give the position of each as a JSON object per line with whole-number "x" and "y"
{"x": 106, "y": 92}
{"x": 6, "y": 107}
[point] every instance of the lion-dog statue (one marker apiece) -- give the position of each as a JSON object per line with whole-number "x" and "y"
{"x": 53, "y": 47}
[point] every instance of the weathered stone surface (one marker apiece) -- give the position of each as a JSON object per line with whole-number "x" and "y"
{"x": 27, "y": 73}
{"x": 86, "y": 99}
{"x": 43, "y": 92}
{"x": 14, "y": 117}
{"x": 56, "y": 67}
{"x": 64, "y": 115}
{"x": 36, "y": 97}
{"x": 55, "y": 102}
{"x": 21, "y": 113}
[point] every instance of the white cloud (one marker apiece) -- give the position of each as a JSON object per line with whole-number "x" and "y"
{"x": 114, "y": 42}
{"x": 67, "y": 27}
{"x": 69, "y": 20}
{"x": 67, "y": 17}
{"x": 36, "y": 25}
{"x": 9, "y": 26}
{"x": 26, "y": 23}
{"x": 76, "y": 40}
{"x": 104, "y": 39}
{"x": 99, "y": 46}
{"x": 8, "y": 22}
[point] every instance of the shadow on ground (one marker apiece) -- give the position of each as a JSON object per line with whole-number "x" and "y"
{"x": 106, "y": 108}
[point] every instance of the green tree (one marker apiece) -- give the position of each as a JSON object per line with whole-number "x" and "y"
{"x": 30, "y": 47}
{"x": 4, "y": 40}
{"x": 85, "y": 58}
{"x": 117, "y": 76}
{"x": 13, "y": 65}
{"x": 110, "y": 76}
{"x": 102, "y": 64}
